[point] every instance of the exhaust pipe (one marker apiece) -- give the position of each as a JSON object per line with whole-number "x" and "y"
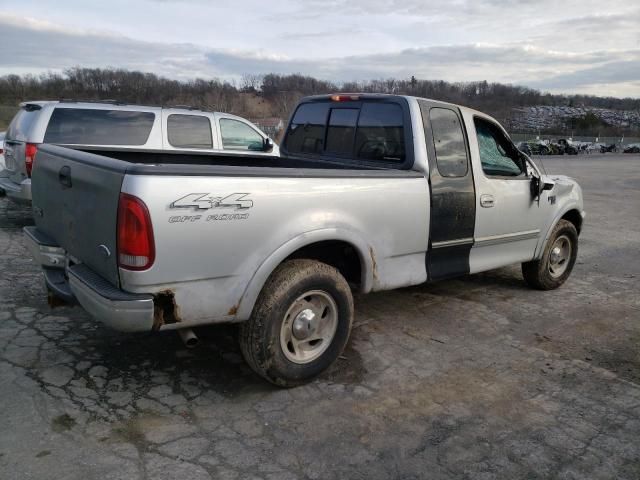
{"x": 188, "y": 337}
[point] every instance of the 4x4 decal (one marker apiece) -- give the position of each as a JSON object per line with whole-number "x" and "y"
{"x": 229, "y": 207}
{"x": 203, "y": 201}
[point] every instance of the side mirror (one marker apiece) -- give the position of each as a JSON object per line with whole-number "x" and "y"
{"x": 548, "y": 186}
{"x": 535, "y": 187}
{"x": 538, "y": 186}
{"x": 267, "y": 145}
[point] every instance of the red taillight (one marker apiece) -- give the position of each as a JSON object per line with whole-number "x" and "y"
{"x": 30, "y": 150}
{"x": 345, "y": 98}
{"x": 136, "y": 250}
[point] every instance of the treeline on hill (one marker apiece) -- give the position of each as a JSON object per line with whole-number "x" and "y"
{"x": 271, "y": 95}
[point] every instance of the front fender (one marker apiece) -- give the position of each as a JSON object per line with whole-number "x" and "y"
{"x": 568, "y": 196}
{"x": 544, "y": 239}
{"x": 265, "y": 269}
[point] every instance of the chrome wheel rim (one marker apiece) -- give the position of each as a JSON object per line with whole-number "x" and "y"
{"x": 309, "y": 326}
{"x": 559, "y": 256}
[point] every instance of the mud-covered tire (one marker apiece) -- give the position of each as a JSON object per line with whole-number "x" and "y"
{"x": 260, "y": 336}
{"x": 540, "y": 273}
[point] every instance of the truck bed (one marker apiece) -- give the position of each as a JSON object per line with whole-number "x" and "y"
{"x": 76, "y": 193}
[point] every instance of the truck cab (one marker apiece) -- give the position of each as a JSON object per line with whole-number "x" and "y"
{"x": 489, "y": 204}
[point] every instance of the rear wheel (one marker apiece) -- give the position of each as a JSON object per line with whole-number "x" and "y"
{"x": 300, "y": 324}
{"x": 557, "y": 261}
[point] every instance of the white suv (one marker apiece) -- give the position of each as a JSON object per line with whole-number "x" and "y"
{"x": 120, "y": 126}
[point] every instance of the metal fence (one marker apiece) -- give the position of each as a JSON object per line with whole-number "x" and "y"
{"x": 527, "y": 137}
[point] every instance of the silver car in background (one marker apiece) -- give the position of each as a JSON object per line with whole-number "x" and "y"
{"x": 2, "y": 134}
{"x": 2, "y": 166}
{"x": 121, "y": 127}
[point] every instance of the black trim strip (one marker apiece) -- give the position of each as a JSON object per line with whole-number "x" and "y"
{"x": 452, "y": 243}
{"x": 239, "y": 171}
{"x": 39, "y": 237}
{"x": 102, "y": 286}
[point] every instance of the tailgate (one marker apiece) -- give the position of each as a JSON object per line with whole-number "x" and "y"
{"x": 75, "y": 202}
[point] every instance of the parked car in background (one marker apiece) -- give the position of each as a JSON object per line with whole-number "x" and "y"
{"x": 580, "y": 146}
{"x": 567, "y": 147}
{"x": 555, "y": 149}
{"x": 122, "y": 127}
{"x": 372, "y": 192}
{"x": 609, "y": 148}
{"x": 2, "y": 168}
{"x": 632, "y": 148}
{"x": 2, "y": 134}
{"x": 525, "y": 148}
{"x": 594, "y": 147}
{"x": 539, "y": 148}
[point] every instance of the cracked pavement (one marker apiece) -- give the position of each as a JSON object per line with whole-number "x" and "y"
{"x": 478, "y": 377}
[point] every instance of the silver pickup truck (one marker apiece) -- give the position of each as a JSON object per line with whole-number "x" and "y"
{"x": 371, "y": 192}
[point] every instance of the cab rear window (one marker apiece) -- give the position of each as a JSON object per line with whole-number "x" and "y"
{"x": 371, "y": 131}
{"x": 306, "y": 132}
{"x": 380, "y": 134}
{"x": 77, "y": 126}
{"x": 342, "y": 127}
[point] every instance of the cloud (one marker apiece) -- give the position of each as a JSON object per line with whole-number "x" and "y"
{"x": 41, "y": 46}
{"x": 627, "y": 71}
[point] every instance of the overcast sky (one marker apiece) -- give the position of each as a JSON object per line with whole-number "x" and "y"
{"x": 574, "y": 46}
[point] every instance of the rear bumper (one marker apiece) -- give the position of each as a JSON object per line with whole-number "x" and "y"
{"x": 19, "y": 192}
{"x": 127, "y": 312}
{"x": 120, "y": 310}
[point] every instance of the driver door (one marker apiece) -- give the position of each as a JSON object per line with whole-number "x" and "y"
{"x": 508, "y": 216}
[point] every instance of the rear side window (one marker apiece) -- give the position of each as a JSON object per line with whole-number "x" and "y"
{"x": 238, "y": 135}
{"x": 341, "y": 130}
{"x": 380, "y": 133}
{"x": 20, "y": 126}
{"x": 306, "y": 132}
{"x": 448, "y": 139}
{"x": 189, "y": 131}
{"x": 80, "y": 126}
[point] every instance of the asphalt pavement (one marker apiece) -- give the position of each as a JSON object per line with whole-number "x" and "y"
{"x": 478, "y": 377}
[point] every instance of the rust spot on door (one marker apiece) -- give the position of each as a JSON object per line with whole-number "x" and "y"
{"x": 233, "y": 310}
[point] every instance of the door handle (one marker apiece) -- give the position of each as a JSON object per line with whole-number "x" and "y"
{"x": 487, "y": 201}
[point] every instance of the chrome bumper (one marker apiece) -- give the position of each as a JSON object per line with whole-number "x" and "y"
{"x": 120, "y": 310}
{"x": 19, "y": 192}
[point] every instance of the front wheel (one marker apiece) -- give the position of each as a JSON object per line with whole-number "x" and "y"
{"x": 557, "y": 261}
{"x": 300, "y": 324}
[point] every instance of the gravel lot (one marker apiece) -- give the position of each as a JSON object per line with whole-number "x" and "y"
{"x": 477, "y": 378}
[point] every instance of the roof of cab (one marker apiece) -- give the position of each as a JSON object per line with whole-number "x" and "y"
{"x": 372, "y": 96}
{"x": 368, "y": 96}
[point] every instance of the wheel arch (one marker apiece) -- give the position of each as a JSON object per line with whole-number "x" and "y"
{"x": 574, "y": 216}
{"x": 571, "y": 214}
{"x": 322, "y": 245}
